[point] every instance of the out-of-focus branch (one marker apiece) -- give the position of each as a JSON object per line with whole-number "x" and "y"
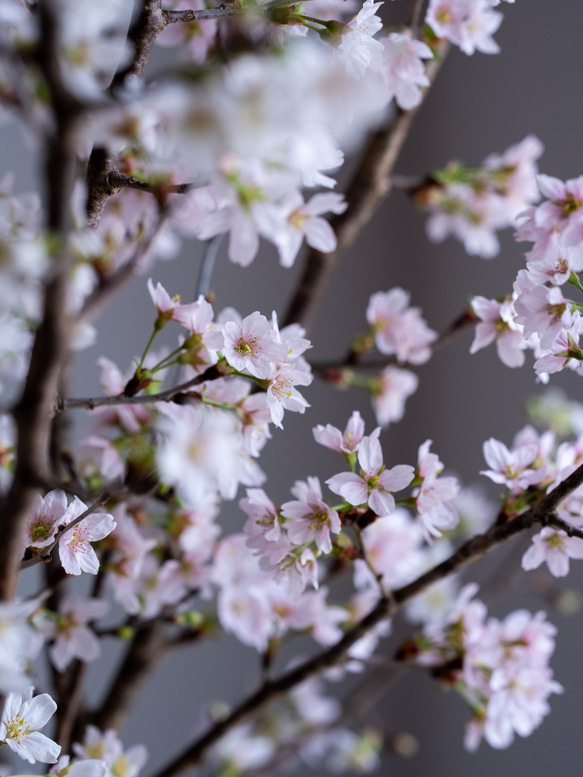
{"x": 111, "y": 283}
{"x": 119, "y": 181}
{"x": 225, "y": 9}
{"x": 415, "y": 17}
{"x": 32, "y": 412}
{"x": 471, "y": 551}
{"x": 369, "y": 186}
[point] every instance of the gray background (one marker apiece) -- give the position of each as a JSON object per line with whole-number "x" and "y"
{"x": 479, "y": 104}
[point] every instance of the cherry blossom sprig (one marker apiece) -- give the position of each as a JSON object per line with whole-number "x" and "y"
{"x": 499, "y": 667}
{"x": 470, "y": 551}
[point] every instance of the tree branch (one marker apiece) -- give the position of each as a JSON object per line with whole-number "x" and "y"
{"x": 119, "y": 181}
{"x": 32, "y": 412}
{"x": 142, "y": 34}
{"x": 177, "y": 394}
{"x": 369, "y": 186}
{"x": 225, "y": 9}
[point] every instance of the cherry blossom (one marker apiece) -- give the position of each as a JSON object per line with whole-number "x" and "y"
{"x": 358, "y": 48}
{"x": 390, "y": 391}
{"x": 311, "y": 519}
{"x": 22, "y": 717}
{"x": 107, "y": 746}
{"x": 402, "y": 68}
{"x": 497, "y": 323}
{"x": 513, "y": 468}
{"x": 252, "y": 346}
{"x": 73, "y": 639}
{"x": 346, "y": 442}
{"x": 304, "y": 220}
{"x": 434, "y": 497}
{"x": 555, "y": 548}
{"x": 399, "y": 329}
{"x": 75, "y": 549}
{"x": 375, "y": 483}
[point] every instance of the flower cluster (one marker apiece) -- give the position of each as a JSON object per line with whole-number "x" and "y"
{"x": 474, "y": 203}
{"x": 51, "y": 514}
{"x": 501, "y": 668}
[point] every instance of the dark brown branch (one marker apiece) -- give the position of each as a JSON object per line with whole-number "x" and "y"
{"x": 469, "y": 552}
{"x": 119, "y": 181}
{"x": 558, "y": 523}
{"x": 32, "y": 412}
{"x": 369, "y": 186}
{"x": 142, "y": 34}
{"x": 177, "y": 394}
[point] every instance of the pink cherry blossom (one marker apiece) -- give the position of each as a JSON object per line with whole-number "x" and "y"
{"x": 75, "y": 550}
{"x": 403, "y": 70}
{"x": 390, "y": 392}
{"x": 358, "y": 49}
{"x": 554, "y": 548}
{"x": 497, "y": 324}
{"x": 511, "y": 468}
{"x": 311, "y": 519}
{"x": 434, "y": 497}
{"x": 22, "y": 718}
{"x": 252, "y": 346}
{"x": 303, "y": 220}
{"x": 346, "y": 442}
{"x": 375, "y": 483}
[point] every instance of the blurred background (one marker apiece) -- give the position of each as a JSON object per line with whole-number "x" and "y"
{"x": 478, "y": 105}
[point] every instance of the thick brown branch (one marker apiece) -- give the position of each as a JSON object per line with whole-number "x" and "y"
{"x": 369, "y": 186}
{"x": 33, "y": 411}
{"x": 468, "y": 553}
{"x": 142, "y": 34}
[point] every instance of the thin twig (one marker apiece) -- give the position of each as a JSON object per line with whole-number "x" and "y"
{"x": 471, "y": 551}
{"x": 44, "y": 556}
{"x": 415, "y": 16}
{"x": 177, "y": 394}
{"x": 211, "y": 250}
{"x": 120, "y": 181}
{"x": 172, "y": 17}
{"x": 369, "y": 186}
{"x": 558, "y": 523}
